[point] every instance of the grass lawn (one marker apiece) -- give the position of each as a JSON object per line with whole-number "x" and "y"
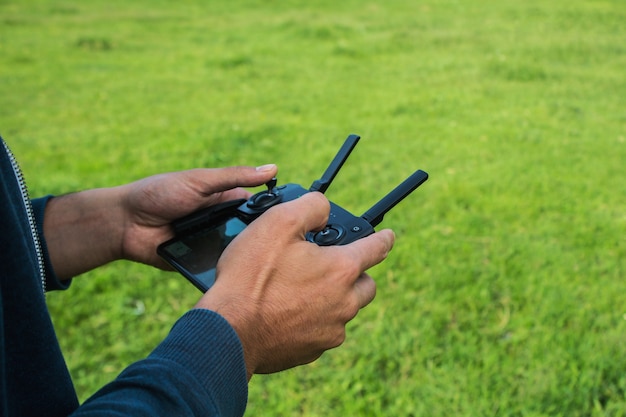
{"x": 505, "y": 294}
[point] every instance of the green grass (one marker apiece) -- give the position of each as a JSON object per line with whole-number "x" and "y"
{"x": 505, "y": 294}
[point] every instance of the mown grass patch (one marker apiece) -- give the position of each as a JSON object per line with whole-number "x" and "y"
{"x": 505, "y": 293}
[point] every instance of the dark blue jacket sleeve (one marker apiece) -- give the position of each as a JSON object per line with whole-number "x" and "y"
{"x": 198, "y": 370}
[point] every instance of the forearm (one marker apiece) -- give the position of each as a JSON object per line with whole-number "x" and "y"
{"x": 84, "y": 230}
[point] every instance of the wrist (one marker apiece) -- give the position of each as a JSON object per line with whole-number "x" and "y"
{"x": 83, "y": 230}
{"x": 237, "y": 315}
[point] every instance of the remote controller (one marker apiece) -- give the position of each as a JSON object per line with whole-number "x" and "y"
{"x": 201, "y": 237}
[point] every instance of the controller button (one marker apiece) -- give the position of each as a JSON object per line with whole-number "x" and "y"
{"x": 329, "y": 236}
{"x": 263, "y": 200}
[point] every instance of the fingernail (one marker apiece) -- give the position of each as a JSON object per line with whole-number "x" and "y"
{"x": 265, "y": 168}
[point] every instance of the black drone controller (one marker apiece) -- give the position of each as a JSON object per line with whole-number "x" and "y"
{"x": 201, "y": 237}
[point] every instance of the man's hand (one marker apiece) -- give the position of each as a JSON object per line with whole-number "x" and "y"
{"x": 153, "y": 203}
{"x": 91, "y": 228}
{"x": 289, "y": 299}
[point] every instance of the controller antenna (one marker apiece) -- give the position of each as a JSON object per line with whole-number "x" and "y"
{"x": 323, "y": 183}
{"x": 375, "y": 214}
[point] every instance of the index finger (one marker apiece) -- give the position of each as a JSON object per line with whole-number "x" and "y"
{"x": 371, "y": 250}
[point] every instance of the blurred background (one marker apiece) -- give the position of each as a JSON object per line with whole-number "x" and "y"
{"x": 505, "y": 294}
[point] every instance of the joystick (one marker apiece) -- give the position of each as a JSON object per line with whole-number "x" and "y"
{"x": 329, "y": 236}
{"x": 271, "y": 186}
{"x": 201, "y": 237}
{"x": 265, "y": 199}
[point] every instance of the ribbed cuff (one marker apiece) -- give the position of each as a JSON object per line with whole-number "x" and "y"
{"x": 203, "y": 342}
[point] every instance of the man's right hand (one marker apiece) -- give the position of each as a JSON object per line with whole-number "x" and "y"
{"x": 288, "y": 299}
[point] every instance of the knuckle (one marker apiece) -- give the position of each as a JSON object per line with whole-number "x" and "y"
{"x": 315, "y": 198}
{"x": 349, "y": 267}
{"x": 287, "y": 216}
{"x": 337, "y": 338}
{"x": 352, "y": 307}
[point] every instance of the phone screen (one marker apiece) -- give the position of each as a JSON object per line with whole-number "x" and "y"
{"x": 195, "y": 254}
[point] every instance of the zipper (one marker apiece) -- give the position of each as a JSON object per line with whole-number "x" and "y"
{"x": 28, "y": 207}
